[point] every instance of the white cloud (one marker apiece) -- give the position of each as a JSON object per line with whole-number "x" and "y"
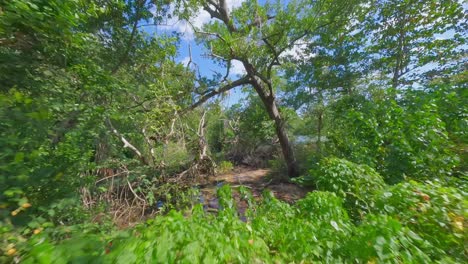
{"x": 237, "y": 68}
{"x": 234, "y": 3}
{"x": 185, "y": 60}
{"x": 298, "y": 52}
{"x": 185, "y": 27}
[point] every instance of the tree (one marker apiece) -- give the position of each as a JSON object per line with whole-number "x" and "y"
{"x": 329, "y": 65}
{"x": 258, "y": 36}
{"x": 411, "y": 36}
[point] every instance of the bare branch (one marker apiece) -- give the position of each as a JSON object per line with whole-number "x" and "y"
{"x": 201, "y": 137}
{"x": 150, "y": 144}
{"x": 243, "y": 81}
{"x": 110, "y": 177}
{"x": 228, "y": 69}
{"x": 221, "y": 12}
{"x": 134, "y": 193}
{"x": 126, "y": 143}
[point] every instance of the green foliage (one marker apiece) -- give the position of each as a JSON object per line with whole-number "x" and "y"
{"x": 190, "y": 241}
{"x": 398, "y": 139}
{"x": 382, "y": 239}
{"x": 89, "y": 96}
{"x": 411, "y": 40}
{"x": 59, "y": 90}
{"x": 174, "y": 156}
{"x": 225, "y": 167}
{"x": 353, "y": 182}
{"x": 277, "y": 166}
{"x": 300, "y": 233}
{"x": 315, "y": 229}
{"x": 451, "y": 97}
{"x": 254, "y": 123}
{"x": 323, "y": 207}
{"x": 435, "y": 212}
{"x": 72, "y": 74}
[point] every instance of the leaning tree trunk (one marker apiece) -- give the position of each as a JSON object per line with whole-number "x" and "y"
{"x": 273, "y": 111}
{"x": 286, "y": 146}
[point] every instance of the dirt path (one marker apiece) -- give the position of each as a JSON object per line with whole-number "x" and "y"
{"x": 256, "y": 180}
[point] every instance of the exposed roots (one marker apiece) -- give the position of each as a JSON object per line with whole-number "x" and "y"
{"x": 123, "y": 204}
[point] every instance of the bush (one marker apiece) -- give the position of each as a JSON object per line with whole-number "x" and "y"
{"x": 399, "y": 138}
{"x": 311, "y": 230}
{"x": 175, "y": 157}
{"x": 198, "y": 239}
{"x": 436, "y": 213}
{"x": 322, "y": 206}
{"x": 381, "y": 239}
{"x": 355, "y": 183}
{"x": 225, "y": 167}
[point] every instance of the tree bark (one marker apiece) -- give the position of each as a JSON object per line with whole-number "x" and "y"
{"x": 286, "y": 146}
{"x": 269, "y": 102}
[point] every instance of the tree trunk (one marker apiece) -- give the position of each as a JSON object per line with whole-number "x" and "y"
{"x": 286, "y": 146}
{"x": 319, "y": 132}
{"x": 273, "y": 111}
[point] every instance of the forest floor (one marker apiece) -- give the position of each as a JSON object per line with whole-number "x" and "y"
{"x": 257, "y": 180}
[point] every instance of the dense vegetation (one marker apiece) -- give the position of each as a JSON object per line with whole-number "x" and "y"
{"x": 106, "y": 139}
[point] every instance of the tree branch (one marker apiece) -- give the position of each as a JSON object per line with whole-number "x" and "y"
{"x": 132, "y": 36}
{"x": 243, "y": 81}
{"x": 150, "y": 144}
{"x": 126, "y": 143}
{"x": 221, "y": 13}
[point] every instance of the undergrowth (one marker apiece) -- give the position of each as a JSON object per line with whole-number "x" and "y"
{"x": 406, "y": 223}
{"x": 315, "y": 229}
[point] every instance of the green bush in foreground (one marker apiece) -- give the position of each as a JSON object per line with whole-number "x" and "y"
{"x": 354, "y": 182}
{"x": 382, "y": 239}
{"x": 315, "y": 229}
{"x": 298, "y": 233}
{"x": 435, "y": 212}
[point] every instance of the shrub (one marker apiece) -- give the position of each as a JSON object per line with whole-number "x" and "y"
{"x": 436, "y": 213}
{"x": 399, "y": 138}
{"x": 314, "y": 230}
{"x": 381, "y": 239}
{"x": 298, "y": 233}
{"x": 225, "y": 167}
{"x": 322, "y": 206}
{"x": 355, "y": 183}
{"x": 203, "y": 239}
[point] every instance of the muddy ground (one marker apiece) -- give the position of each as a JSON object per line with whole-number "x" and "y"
{"x": 257, "y": 180}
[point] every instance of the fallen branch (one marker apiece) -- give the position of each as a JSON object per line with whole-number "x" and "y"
{"x": 108, "y": 177}
{"x": 136, "y": 195}
{"x": 126, "y": 143}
